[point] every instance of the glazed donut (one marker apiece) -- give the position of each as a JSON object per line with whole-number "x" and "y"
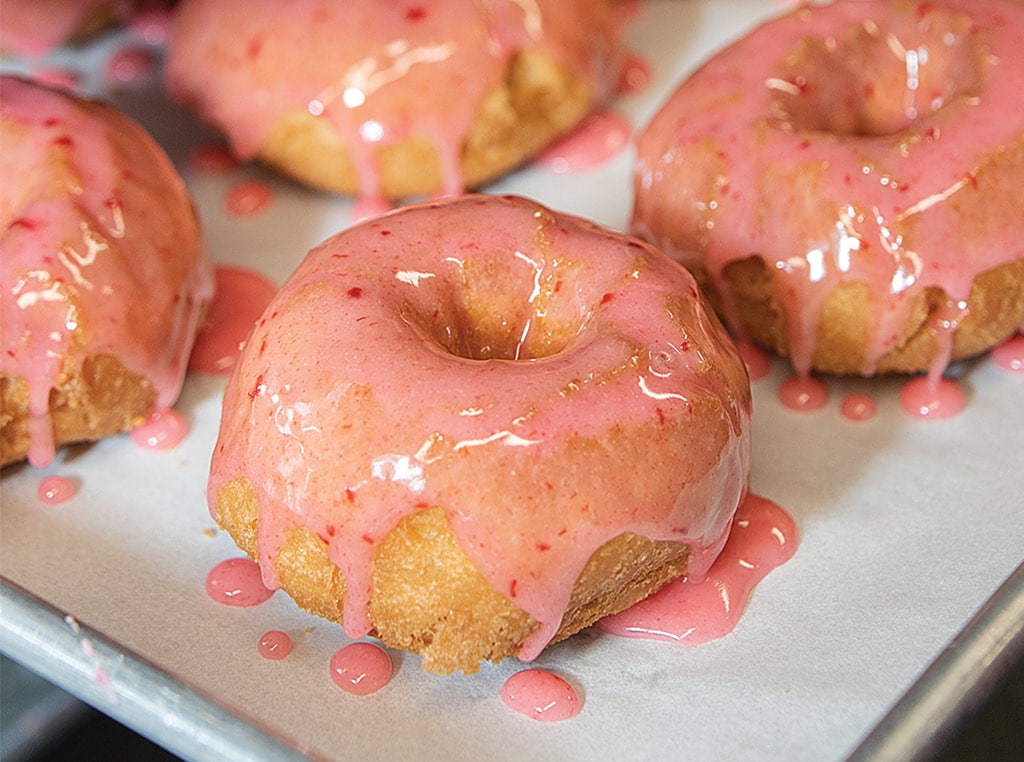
{"x": 398, "y": 99}
{"x": 475, "y": 426}
{"x": 846, "y": 181}
{"x": 102, "y": 277}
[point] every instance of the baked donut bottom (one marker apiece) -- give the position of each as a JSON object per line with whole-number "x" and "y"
{"x": 538, "y": 102}
{"x": 102, "y": 399}
{"x": 846, "y": 322}
{"x": 428, "y": 598}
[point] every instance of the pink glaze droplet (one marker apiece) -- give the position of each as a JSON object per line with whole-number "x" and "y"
{"x": 803, "y": 394}
{"x": 756, "y": 359}
{"x": 858, "y": 407}
{"x": 636, "y": 75}
{"x": 361, "y": 668}
{"x": 275, "y": 645}
{"x": 541, "y": 695}
{"x": 152, "y": 25}
{"x": 600, "y": 137}
{"x": 923, "y": 399}
{"x": 162, "y": 430}
{"x": 55, "y": 489}
{"x": 130, "y": 66}
{"x": 763, "y": 537}
{"x": 56, "y": 77}
{"x": 212, "y": 159}
{"x": 237, "y": 582}
{"x": 248, "y": 197}
{"x": 1010, "y": 354}
{"x": 240, "y": 297}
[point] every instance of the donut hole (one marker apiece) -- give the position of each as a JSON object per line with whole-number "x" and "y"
{"x": 496, "y": 310}
{"x": 875, "y": 80}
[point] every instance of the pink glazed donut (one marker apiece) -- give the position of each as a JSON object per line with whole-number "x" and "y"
{"x": 847, "y": 182}
{"x": 102, "y": 275}
{"x": 475, "y": 426}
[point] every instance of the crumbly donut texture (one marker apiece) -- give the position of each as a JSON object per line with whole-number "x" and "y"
{"x": 101, "y": 271}
{"x": 388, "y": 101}
{"x": 474, "y": 427}
{"x": 852, "y": 203}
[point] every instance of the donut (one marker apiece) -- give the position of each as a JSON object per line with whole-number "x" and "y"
{"x": 846, "y": 183}
{"x": 472, "y": 427}
{"x": 101, "y": 272}
{"x": 393, "y": 100}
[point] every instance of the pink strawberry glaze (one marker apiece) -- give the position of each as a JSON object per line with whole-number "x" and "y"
{"x": 55, "y": 489}
{"x": 803, "y": 393}
{"x": 130, "y": 66}
{"x": 870, "y": 142}
{"x": 361, "y": 668}
{"x": 1010, "y": 354}
{"x": 375, "y": 72}
{"x": 237, "y": 582}
{"x": 275, "y": 645}
{"x": 100, "y": 250}
{"x": 541, "y": 695}
{"x": 601, "y": 136}
{"x": 34, "y": 28}
{"x": 763, "y": 537}
{"x": 858, "y": 407}
{"x": 241, "y": 297}
{"x": 374, "y": 375}
{"x": 248, "y": 197}
{"x": 212, "y": 159}
{"x": 162, "y": 430}
{"x": 923, "y": 399}
{"x": 756, "y": 359}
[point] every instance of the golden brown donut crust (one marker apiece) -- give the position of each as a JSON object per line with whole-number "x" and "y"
{"x": 429, "y": 599}
{"x": 538, "y": 102}
{"x": 104, "y": 398}
{"x": 996, "y": 305}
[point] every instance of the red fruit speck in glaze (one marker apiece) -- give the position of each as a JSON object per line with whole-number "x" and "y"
{"x": 805, "y": 144}
{"x": 512, "y": 588}
{"x": 869, "y": 90}
{"x": 22, "y": 222}
{"x": 607, "y": 298}
{"x": 368, "y": 539}
{"x": 661, "y": 414}
{"x": 256, "y": 387}
{"x": 350, "y": 495}
{"x": 63, "y": 140}
{"x": 355, "y": 292}
{"x": 416, "y": 13}
{"x": 254, "y": 47}
{"x": 51, "y": 121}
{"x": 385, "y": 232}
{"x": 542, "y": 546}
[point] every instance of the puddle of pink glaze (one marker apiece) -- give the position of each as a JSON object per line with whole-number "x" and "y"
{"x": 212, "y": 159}
{"x": 162, "y": 430}
{"x": 151, "y": 25}
{"x": 240, "y": 297}
{"x": 130, "y": 66}
{"x": 1010, "y": 354}
{"x": 237, "y": 582}
{"x": 756, "y": 359}
{"x": 600, "y": 137}
{"x": 803, "y": 394}
{"x": 361, "y": 668}
{"x": 55, "y": 489}
{"x": 636, "y": 75}
{"x": 275, "y": 645}
{"x": 923, "y": 399}
{"x": 248, "y": 197}
{"x": 858, "y": 407}
{"x": 541, "y": 695}
{"x": 763, "y": 537}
